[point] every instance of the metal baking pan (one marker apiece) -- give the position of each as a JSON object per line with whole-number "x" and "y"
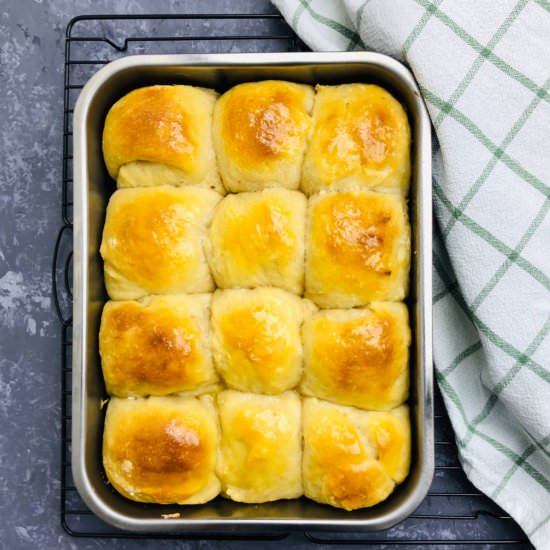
{"x": 92, "y": 189}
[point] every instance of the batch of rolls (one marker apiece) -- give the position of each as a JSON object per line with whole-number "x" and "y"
{"x": 256, "y": 256}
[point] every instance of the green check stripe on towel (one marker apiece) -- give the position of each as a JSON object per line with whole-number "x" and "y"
{"x": 484, "y": 71}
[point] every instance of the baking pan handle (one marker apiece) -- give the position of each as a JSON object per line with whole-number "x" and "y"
{"x": 64, "y": 244}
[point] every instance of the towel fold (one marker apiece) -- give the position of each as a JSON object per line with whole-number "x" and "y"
{"x": 484, "y": 71}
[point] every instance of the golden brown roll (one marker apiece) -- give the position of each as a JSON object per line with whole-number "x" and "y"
{"x": 153, "y": 241}
{"x": 256, "y": 339}
{"x": 352, "y": 458}
{"x": 357, "y": 249}
{"x": 158, "y": 346}
{"x": 260, "y": 133}
{"x": 360, "y": 134}
{"x": 358, "y": 357}
{"x": 162, "y": 449}
{"x": 261, "y": 448}
{"x": 257, "y": 239}
{"x": 162, "y": 135}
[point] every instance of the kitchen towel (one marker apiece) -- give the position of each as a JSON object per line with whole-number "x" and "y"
{"x": 484, "y": 70}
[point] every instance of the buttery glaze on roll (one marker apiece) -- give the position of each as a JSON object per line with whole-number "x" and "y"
{"x": 153, "y": 241}
{"x": 391, "y": 433}
{"x": 360, "y": 134}
{"x": 261, "y": 446}
{"x": 256, "y": 340}
{"x": 353, "y": 458}
{"x": 358, "y": 357}
{"x": 162, "y": 135}
{"x": 162, "y": 449}
{"x": 357, "y": 249}
{"x": 261, "y": 130}
{"x": 257, "y": 239}
{"x": 158, "y": 346}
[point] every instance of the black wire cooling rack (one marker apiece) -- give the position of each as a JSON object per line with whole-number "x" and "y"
{"x": 454, "y": 512}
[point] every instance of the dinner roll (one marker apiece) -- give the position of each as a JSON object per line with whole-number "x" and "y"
{"x": 162, "y": 135}
{"x": 352, "y": 458}
{"x": 360, "y": 134}
{"x": 357, "y": 249}
{"x": 358, "y": 357}
{"x": 153, "y": 241}
{"x": 157, "y": 346}
{"x": 261, "y": 448}
{"x": 257, "y": 239}
{"x": 162, "y": 449}
{"x": 256, "y": 339}
{"x": 260, "y": 133}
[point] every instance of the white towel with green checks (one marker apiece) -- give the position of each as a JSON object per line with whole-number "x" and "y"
{"x": 484, "y": 69}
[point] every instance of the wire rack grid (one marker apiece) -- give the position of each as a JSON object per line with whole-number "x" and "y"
{"x": 454, "y": 512}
